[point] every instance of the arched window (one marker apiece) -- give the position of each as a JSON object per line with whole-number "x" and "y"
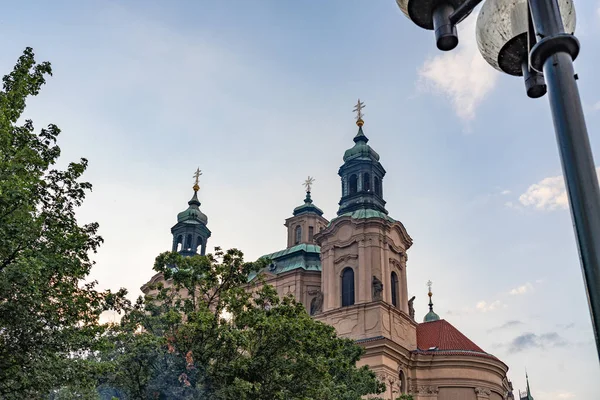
{"x": 353, "y": 184}
{"x": 179, "y": 242}
{"x": 311, "y": 232}
{"x": 377, "y": 188}
{"x": 367, "y": 182}
{"x": 347, "y": 287}
{"x": 402, "y": 383}
{"x": 394, "y": 289}
{"x": 198, "y": 243}
{"x": 298, "y": 234}
{"x": 188, "y": 242}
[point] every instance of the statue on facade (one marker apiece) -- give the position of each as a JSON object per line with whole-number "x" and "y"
{"x": 411, "y": 308}
{"x": 377, "y": 288}
{"x": 316, "y": 305}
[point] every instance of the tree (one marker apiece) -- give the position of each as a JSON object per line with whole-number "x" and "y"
{"x": 48, "y": 316}
{"x": 206, "y": 336}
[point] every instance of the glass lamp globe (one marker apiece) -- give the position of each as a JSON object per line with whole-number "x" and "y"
{"x": 502, "y": 32}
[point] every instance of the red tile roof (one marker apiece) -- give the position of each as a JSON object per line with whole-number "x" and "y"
{"x": 446, "y": 339}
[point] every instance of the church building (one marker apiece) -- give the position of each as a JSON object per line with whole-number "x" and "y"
{"x": 351, "y": 272}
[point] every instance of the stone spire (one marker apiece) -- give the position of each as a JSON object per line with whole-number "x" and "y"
{"x": 431, "y": 315}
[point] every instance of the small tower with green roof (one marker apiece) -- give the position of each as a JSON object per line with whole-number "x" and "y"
{"x": 362, "y": 174}
{"x": 190, "y": 233}
{"x": 306, "y": 220}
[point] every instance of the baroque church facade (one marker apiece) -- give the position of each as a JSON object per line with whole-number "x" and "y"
{"x": 351, "y": 273}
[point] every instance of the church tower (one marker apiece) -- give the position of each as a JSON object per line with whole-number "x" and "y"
{"x": 363, "y": 260}
{"x": 307, "y": 220}
{"x": 190, "y": 233}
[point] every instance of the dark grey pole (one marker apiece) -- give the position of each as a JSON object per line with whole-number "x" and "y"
{"x": 555, "y": 51}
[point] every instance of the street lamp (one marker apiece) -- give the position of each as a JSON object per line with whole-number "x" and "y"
{"x": 534, "y": 39}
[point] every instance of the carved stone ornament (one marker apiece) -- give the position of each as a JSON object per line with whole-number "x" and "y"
{"x": 427, "y": 389}
{"x": 345, "y": 258}
{"x": 483, "y": 392}
{"x": 423, "y": 389}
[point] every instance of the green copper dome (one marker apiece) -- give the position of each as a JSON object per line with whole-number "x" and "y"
{"x": 361, "y": 149}
{"x": 193, "y": 213}
{"x": 307, "y": 207}
{"x": 431, "y": 316}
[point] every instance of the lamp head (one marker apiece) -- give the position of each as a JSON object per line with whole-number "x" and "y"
{"x": 501, "y": 32}
{"x": 434, "y": 15}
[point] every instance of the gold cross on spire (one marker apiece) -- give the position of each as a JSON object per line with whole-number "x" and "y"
{"x": 359, "y": 114}
{"x": 308, "y": 183}
{"x": 196, "y": 177}
{"x": 429, "y": 284}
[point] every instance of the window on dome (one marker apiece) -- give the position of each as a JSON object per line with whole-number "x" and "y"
{"x": 188, "y": 242}
{"x": 179, "y": 243}
{"x": 198, "y": 243}
{"x": 311, "y": 232}
{"x": 394, "y": 289}
{"x": 298, "y": 234}
{"x": 347, "y": 287}
{"x": 353, "y": 184}
{"x": 377, "y": 186}
{"x": 367, "y": 182}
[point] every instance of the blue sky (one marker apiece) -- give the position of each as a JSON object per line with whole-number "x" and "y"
{"x": 259, "y": 95}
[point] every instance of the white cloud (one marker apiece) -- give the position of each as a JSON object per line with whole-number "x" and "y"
{"x": 596, "y": 106}
{"x": 566, "y": 395}
{"x": 483, "y": 306}
{"x": 558, "y": 395}
{"x": 526, "y": 288}
{"x": 462, "y": 75}
{"x": 505, "y": 192}
{"x": 547, "y": 194}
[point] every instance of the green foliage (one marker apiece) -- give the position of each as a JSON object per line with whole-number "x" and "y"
{"x": 207, "y": 337}
{"x": 48, "y": 317}
{"x": 405, "y": 397}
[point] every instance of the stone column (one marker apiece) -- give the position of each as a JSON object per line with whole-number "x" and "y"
{"x": 385, "y": 271}
{"x": 363, "y": 283}
{"x": 325, "y": 278}
{"x": 403, "y": 286}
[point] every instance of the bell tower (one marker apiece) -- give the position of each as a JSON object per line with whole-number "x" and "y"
{"x": 307, "y": 220}
{"x": 190, "y": 233}
{"x": 364, "y": 261}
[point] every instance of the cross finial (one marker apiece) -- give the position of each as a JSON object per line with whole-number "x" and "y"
{"x": 196, "y": 177}
{"x": 359, "y": 114}
{"x": 429, "y": 284}
{"x": 308, "y": 183}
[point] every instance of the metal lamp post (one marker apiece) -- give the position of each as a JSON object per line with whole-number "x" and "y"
{"x": 534, "y": 39}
